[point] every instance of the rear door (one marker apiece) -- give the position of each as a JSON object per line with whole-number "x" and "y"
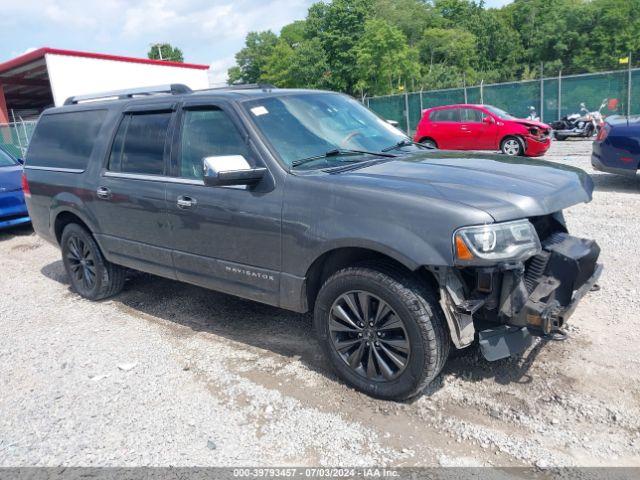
{"x": 446, "y": 127}
{"x": 130, "y": 203}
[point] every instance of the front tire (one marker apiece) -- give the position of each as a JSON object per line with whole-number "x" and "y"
{"x": 382, "y": 330}
{"x": 512, "y": 146}
{"x": 90, "y": 274}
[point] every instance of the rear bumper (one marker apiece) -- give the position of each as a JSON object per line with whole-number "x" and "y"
{"x": 534, "y": 147}
{"x": 13, "y": 210}
{"x": 620, "y": 168}
{"x": 12, "y": 222}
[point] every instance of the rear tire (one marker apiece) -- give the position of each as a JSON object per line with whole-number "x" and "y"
{"x": 392, "y": 356}
{"x": 512, "y": 146}
{"x": 90, "y": 274}
{"x": 429, "y": 142}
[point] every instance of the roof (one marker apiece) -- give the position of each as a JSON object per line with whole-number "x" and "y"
{"x": 40, "y": 53}
{"x": 229, "y": 93}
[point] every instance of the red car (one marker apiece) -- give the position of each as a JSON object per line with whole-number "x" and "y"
{"x": 482, "y": 127}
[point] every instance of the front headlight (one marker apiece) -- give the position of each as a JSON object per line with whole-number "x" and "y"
{"x": 496, "y": 242}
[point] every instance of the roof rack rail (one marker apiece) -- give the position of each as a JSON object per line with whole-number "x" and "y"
{"x": 243, "y": 86}
{"x": 173, "y": 89}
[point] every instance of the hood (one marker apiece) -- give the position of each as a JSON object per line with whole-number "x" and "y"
{"x": 10, "y": 178}
{"x": 532, "y": 123}
{"x": 506, "y": 188}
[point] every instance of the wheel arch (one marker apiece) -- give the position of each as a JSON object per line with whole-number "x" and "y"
{"x": 341, "y": 257}
{"x": 519, "y": 137}
{"x": 63, "y": 218}
{"x": 427, "y": 137}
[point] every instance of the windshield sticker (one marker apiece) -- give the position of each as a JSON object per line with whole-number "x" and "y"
{"x": 257, "y": 111}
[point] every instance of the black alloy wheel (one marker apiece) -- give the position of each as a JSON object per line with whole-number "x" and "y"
{"x": 369, "y": 336}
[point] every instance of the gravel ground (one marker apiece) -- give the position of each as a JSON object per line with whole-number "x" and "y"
{"x": 171, "y": 374}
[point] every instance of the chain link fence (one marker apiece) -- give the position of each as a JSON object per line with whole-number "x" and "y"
{"x": 15, "y": 137}
{"x": 552, "y": 97}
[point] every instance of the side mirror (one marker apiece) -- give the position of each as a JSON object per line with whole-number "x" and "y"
{"x": 488, "y": 120}
{"x": 227, "y": 170}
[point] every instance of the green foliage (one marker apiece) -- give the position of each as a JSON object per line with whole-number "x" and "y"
{"x": 302, "y": 65}
{"x": 252, "y": 59}
{"x": 383, "y": 58}
{"x": 165, "y": 51}
{"x": 378, "y": 47}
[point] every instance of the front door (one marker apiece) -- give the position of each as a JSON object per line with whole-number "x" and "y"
{"x": 130, "y": 204}
{"x": 475, "y": 134}
{"x": 225, "y": 238}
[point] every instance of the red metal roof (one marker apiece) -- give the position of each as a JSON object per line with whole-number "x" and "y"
{"x": 41, "y": 52}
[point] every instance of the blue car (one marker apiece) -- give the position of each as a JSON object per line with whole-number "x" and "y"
{"x": 617, "y": 146}
{"x": 13, "y": 210}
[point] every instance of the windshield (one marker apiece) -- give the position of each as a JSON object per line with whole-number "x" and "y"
{"x": 307, "y": 125}
{"x": 6, "y": 160}
{"x": 500, "y": 113}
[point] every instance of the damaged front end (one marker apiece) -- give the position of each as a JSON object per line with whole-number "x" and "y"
{"x": 508, "y": 303}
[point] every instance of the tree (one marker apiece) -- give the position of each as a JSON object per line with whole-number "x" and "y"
{"x": 303, "y": 65}
{"x": 251, "y": 60}
{"x": 339, "y": 25}
{"x": 384, "y": 59}
{"x": 378, "y": 46}
{"x": 412, "y": 17}
{"x": 448, "y": 47}
{"x": 165, "y": 51}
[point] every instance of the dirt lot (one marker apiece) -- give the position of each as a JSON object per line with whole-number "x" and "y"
{"x": 171, "y": 374}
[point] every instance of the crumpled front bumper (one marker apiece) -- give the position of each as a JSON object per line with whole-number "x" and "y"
{"x": 522, "y": 300}
{"x": 543, "y": 295}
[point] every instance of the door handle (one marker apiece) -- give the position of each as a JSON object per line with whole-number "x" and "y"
{"x": 186, "y": 202}
{"x": 103, "y": 192}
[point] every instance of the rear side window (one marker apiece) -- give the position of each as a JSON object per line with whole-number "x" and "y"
{"x": 446, "y": 115}
{"x": 65, "y": 140}
{"x": 139, "y": 144}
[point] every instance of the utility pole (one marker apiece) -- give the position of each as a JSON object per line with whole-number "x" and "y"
{"x": 559, "y": 94}
{"x": 629, "y": 89}
{"x": 464, "y": 86}
{"x": 482, "y": 91}
{"x": 157, "y": 45}
{"x": 542, "y": 91}
{"x": 406, "y": 111}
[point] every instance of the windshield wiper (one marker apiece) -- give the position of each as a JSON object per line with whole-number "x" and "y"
{"x": 406, "y": 143}
{"x": 336, "y": 153}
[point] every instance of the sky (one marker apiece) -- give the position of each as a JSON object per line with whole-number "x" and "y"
{"x": 208, "y": 31}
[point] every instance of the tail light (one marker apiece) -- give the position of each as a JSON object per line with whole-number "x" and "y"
{"x": 25, "y": 186}
{"x": 602, "y": 134}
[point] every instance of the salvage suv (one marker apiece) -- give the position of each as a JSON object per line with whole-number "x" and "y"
{"x": 308, "y": 201}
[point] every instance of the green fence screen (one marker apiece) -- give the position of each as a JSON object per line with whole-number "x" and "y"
{"x": 552, "y": 97}
{"x": 15, "y": 137}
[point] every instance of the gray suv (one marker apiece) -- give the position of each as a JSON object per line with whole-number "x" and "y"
{"x": 308, "y": 201}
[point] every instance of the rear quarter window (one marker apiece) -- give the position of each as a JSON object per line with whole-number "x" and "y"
{"x": 65, "y": 140}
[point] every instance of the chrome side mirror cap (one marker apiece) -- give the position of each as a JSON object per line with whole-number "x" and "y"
{"x": 227, "y": 170}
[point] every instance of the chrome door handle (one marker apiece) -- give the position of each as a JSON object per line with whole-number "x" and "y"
{"x": 103, "y": 192}
{"x": 186, "y": 202}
